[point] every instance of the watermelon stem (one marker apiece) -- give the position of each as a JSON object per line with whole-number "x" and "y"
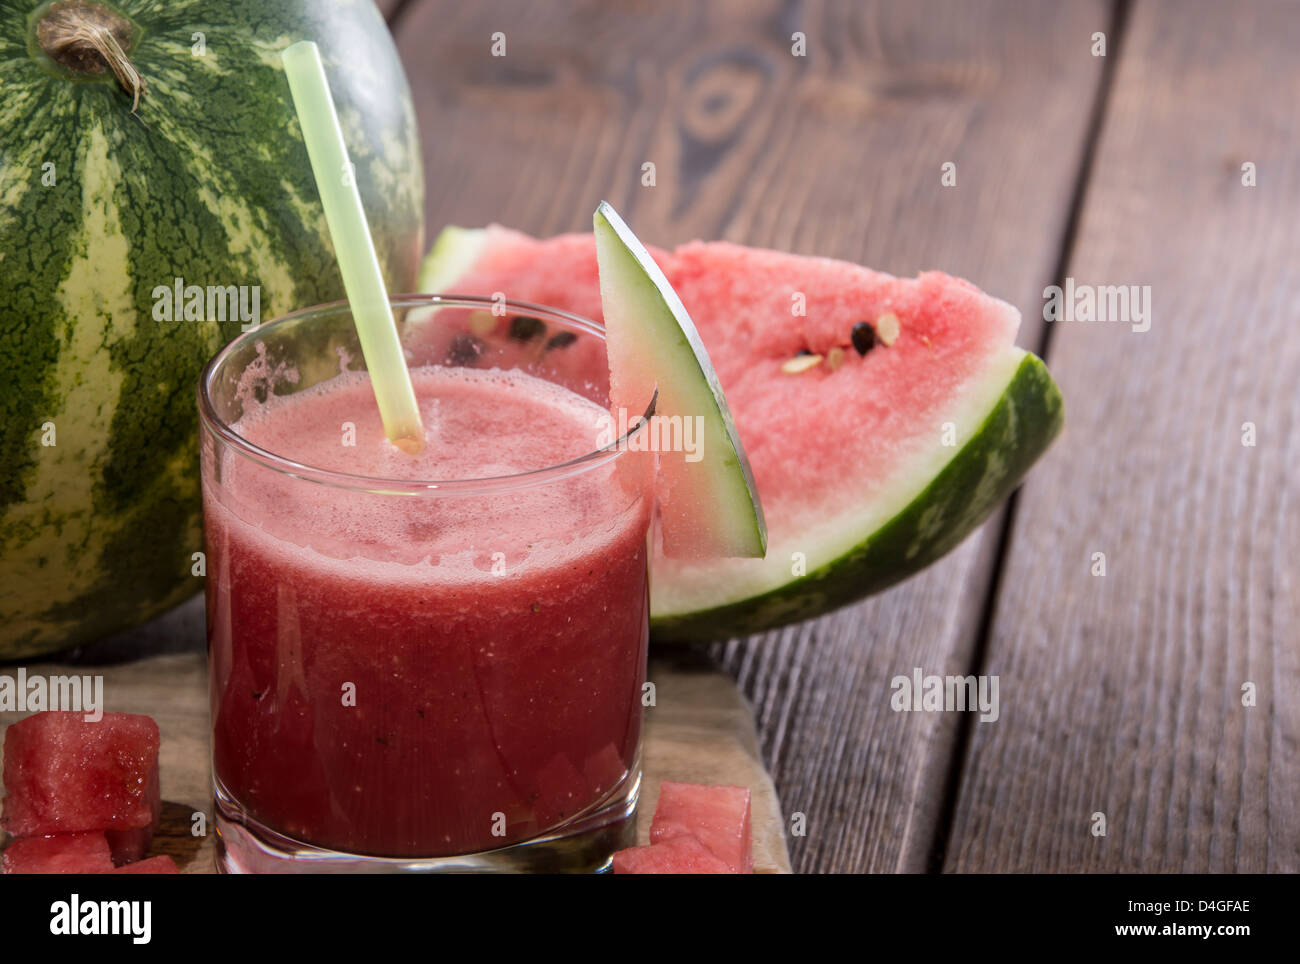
{"x": 88, "y": 38}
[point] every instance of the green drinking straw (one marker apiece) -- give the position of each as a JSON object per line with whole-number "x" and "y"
{"x": 362, "y": 280}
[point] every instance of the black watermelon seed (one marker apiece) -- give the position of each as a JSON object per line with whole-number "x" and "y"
{"x": 863, "y": 337}
{"x": 464, "y": 350}
{"x": 526, "y": 327}
{"x": 802, "y": 351}
{"x": 563, "y": 340}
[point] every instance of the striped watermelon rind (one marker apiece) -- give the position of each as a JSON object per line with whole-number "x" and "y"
{"x": 207, "y": 181}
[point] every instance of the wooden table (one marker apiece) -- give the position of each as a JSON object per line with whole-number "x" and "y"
{"x": 1121, "y": 694}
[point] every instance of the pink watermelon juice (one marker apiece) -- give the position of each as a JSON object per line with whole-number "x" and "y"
{"x": 402, "y": 670}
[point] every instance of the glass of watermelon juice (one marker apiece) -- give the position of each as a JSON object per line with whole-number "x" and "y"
{"x": 423, "y": 662}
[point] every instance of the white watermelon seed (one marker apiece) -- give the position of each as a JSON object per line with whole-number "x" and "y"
{"x": 887, "y": 328}
{"x": 801, "y": 363}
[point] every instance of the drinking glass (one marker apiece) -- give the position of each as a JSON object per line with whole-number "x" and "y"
{"x": 422, "y": 674}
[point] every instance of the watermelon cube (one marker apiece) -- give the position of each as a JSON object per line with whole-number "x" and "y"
{"x": 718, "y": 817}
{"x": 154, "y": 865}
{"x": 65, "y": 853}
{"x": 677, "y": 855}
{"x": 63, "y": 774}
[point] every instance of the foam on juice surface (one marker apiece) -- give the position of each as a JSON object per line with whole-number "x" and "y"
{"x": 478, "y": 424}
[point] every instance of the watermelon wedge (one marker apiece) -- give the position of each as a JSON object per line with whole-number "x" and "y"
{"x": 884, "y": 418}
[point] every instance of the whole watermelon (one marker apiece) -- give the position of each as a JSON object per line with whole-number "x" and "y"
{"x": 143, "y": 142}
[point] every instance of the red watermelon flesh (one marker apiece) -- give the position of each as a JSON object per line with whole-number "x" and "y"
{"x": 68, "y": 853}
{"x": 680, "y": 855}
{"x": 836, "y": 453}
{"x": 716, "y": 816}
{"x": 559, "y": 272}
{"x": 948, "y": 332}
{"x": 475, "y": 338}
{"x": 63, "y": 774}
{"x": 154, "y": 865}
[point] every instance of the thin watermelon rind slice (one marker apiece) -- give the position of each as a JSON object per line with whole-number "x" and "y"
{"x": 633, "y": 284}
{"x": 1022, "y": 424}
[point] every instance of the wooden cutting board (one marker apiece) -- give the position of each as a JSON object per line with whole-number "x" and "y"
{"x": 700, "y": 730}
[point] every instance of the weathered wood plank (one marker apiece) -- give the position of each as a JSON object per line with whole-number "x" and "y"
{"x": 836, "y": 153}
{"x": 1122, "y": 694}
